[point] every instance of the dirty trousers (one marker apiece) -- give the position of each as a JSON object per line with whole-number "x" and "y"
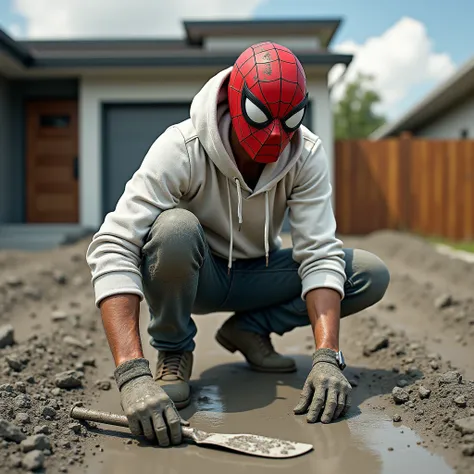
{"x": 181, "y": 276}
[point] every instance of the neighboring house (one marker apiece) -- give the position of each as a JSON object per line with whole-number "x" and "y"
{"x": 77, "y": 117}
{"x": 445, "y": 113}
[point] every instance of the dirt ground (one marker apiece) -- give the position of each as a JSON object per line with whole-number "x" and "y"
{"x": 410, "y": 361}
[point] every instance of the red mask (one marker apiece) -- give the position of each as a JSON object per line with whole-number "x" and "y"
{"x": 267, "y": 99}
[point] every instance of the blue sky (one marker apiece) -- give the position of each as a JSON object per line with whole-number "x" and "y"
{"x": 410, "y": 46}
{"x": 450, "y": 24}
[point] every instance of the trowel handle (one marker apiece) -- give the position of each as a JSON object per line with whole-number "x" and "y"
{"x": 85, "y": 414}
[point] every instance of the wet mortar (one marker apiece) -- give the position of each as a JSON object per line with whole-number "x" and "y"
{"x": 366, "y": 442}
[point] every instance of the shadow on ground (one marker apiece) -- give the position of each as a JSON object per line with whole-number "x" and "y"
{"x": 234, "y": 388}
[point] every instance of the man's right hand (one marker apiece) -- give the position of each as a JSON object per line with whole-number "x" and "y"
{"x": 148, "y": 408}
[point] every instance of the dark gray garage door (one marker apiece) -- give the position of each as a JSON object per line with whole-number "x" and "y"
{"x": 129, "y": 131}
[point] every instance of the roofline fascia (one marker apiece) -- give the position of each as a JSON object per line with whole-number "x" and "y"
{"x": 224, "y": 60}
{"x": 15, "y": 50}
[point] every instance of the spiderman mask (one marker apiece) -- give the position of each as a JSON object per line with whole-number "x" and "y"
{"x": 267, "y": 99}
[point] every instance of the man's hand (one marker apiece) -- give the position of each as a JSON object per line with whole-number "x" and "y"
{"x": 148, "y": 408}
{"x": 326, "y": 392}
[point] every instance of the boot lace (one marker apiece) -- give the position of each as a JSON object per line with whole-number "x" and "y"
{"x": 172, "y": 363}
{"x": 265, "y": 344}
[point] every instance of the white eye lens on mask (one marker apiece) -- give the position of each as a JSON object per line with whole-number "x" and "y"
{"x": 295, "y": 120}
{"x": 254, "y": 112}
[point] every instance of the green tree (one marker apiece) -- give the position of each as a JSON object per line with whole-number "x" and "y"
{"x": 354, "y": 114}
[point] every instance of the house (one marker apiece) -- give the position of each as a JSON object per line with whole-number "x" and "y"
{"x": 445, "y": 113}
{"x": 77, "y": 117}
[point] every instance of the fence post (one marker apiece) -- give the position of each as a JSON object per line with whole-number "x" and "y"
{"x": 404, "y": 179}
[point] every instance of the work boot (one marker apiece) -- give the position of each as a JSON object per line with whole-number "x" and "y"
{"x": 173, "y": 371}
{"x": 256, "y": 348}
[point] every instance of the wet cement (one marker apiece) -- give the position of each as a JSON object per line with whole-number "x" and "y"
{"x": 229, "y": 398}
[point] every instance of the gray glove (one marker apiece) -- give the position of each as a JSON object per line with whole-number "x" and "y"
{"x": 148, "y": 408}
{"x": 326, "y": 392}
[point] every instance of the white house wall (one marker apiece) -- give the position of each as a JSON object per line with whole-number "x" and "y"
{"x": 450, "y": 125}
{"x": 94, "y": 92}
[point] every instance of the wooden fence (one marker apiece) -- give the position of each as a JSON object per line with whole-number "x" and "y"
{"x": 411, "y": 184}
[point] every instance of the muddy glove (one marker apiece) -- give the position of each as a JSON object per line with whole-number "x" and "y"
{"x": 148, "y": 408}
{"x": 326, "y": 392}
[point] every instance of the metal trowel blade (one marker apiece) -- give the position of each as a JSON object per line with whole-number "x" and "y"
{"x": 256, "y": 445}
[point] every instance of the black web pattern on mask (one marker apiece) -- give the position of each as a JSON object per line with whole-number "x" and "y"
{"x": 259, "y": 79}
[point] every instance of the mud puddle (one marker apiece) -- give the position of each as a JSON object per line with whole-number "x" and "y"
{"x": 229, "y": 398}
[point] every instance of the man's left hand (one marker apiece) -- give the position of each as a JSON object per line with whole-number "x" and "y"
{"x": 326, "y": 392}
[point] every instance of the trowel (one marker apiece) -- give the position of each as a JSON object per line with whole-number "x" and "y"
{"x": 253, "y": 445}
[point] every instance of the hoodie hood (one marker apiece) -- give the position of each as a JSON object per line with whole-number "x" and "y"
{"x": 211, "y": 120}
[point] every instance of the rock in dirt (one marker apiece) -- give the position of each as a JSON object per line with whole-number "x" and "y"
{"x": 396, "y": 418}
{"x": 20, "y": 387}
{"x": 39, "y": 441}
{"x": 42, "y": 429}
{"x": 7, "y": 336}
{"x": 14, "y": 282}
{"x": 424, "y": 392}
{"x": 89, "y": 361}
{"x": 33, "y": 461}
{"x": 58, "y": 316}
{"x": 76, "y": 428}
{"x": 468, "y": 450}
{"x": 7, "y": 387}
{"x": 14, "y": 363}
{"x": 444, "y": 301}
{"x": 22, "y": 401}
{"x": 59, "y": 277}
{"x": 49, "y": 412}
{"x": 22, "y": 418}
{"x": 450, "y": 377}
{"x": 72, "y": 341}
{"x": 465, "y": 425}
{"x": 375, "y": 344}
{"x": 14, "y": 460}
{"x": 400, "y": 395}
{"x": 11, "y": 432}
{"x": 460, "y": 401}
{"x": 68, "y": 379}
{"x": 103, "y": 384}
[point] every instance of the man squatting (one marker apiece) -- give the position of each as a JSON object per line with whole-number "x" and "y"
{"x": 197, "y": 231}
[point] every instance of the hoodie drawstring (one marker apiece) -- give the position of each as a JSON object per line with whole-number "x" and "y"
{"x": 241, "y": 220}
{"x": 239, "y": 203}
{"x": 231, "y": 228}
{"x": 267, "y": 225}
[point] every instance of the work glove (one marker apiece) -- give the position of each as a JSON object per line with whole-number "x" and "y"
{"x": 326, "y": 392}
{"x": 146, "y": 405}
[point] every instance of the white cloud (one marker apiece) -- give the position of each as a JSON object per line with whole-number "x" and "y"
{"x": 121, "y": 18}
{"x": 14, "y": 30}
{"x": 400, "y": 59}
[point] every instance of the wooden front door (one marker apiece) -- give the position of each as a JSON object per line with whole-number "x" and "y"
{"x": 52, "y": 161}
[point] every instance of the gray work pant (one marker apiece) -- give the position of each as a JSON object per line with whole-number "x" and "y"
{"x": 181, "y": 276}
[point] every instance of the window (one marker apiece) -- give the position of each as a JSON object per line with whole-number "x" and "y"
{"x": 54, "y": 121}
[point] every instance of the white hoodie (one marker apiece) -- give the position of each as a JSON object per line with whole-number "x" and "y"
{"x": 191, "y": 166}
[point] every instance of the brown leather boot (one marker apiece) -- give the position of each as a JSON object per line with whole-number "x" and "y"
{"x": 173, "y": 371}
{"x": 257, "y": 349}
